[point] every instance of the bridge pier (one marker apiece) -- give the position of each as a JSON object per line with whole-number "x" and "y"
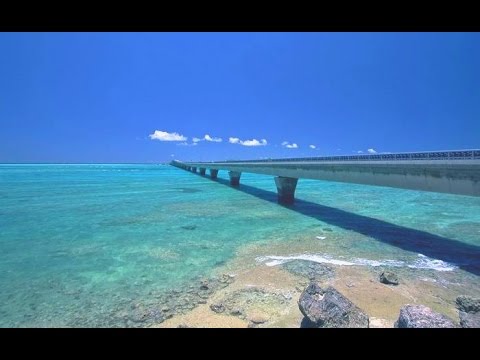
{"x": 234, "y": 177}
{"x": 286, "y": 189}
{"x": 213, "y": 173}
{"x": 202, "y": 171}
{"x": 194, "y": 169}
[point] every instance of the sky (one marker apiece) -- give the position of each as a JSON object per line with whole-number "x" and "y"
{"x": 153, "y": 97}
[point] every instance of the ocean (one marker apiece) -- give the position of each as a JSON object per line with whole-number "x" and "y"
{"x": 88, "y": 245}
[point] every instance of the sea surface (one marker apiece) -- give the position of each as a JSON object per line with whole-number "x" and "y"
{"x": 90, "y": 244}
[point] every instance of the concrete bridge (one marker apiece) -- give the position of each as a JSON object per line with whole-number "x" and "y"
{"x": 454, "y": 172}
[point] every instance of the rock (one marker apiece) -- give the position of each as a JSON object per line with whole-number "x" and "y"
{"x": 183, "y": 326}
{"x": 313, "y": 271}
{"x": 165, "y": 309}
{"x": 203, "y": 295}
{"x": 227, "y": 279}
{"x": 236, "y": 312}
{"x": 189, "y": 227}
{"x": 468, "y": 304}
{"x": 257, "y": 318}
{"x": 139, "y": 316}
{"x": 469, "y": 320}
{"x": 307, "y": 324}
{"x": 420, "y": 316}
{"x": 218, "y": 308}
{"x": 388, "y": 277}
{"x": 329, "y": 308}
{"x": 469, "y": 311}
{"x": 204, "y": 285}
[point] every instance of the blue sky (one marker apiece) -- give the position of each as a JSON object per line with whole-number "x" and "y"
{"x": 115, "y": 97}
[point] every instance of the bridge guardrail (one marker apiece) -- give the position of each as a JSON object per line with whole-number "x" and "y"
{"x": 434, "y": 155}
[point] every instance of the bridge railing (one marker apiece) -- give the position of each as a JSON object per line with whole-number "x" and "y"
{"x": 431, "y": 155}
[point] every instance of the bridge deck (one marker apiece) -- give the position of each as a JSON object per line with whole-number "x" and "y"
{"x": 456, "y": 172}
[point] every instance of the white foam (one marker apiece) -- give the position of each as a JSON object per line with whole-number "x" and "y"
{"x": 320, "y": 237}
{"x": 278, "y": 260}
{"x": 423, "y": 262}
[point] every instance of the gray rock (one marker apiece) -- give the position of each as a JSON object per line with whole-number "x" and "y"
{"x": 315, "y": 272}
{"x": 420, "y": 316}
{"x": 468, "y": 304}
{"x": 236, "y": 312}
{"x": 204, "y": 285}
{"x": 469, "y": 311}
{"x": 218, "y": 308}
{"x": 469, "y": 320}
{"x": 388, "y": 277}
{"x": 329, "y": 308}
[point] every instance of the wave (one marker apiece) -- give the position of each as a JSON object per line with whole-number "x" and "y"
{"x": 423, "y": 262}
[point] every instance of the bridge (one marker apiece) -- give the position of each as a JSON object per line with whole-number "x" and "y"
{"x": 454, "y": 172}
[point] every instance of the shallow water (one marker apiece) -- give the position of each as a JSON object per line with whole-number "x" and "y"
{"x": 80, "y": 244}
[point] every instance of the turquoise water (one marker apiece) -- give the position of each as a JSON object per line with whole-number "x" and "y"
{"x": 84, "y": 245}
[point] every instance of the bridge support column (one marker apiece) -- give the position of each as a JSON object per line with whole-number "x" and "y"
{"x": 202, "y": 171}
{"x": 234, "y": 177}
{"x": 286, "y": 189}
{"x": 213, "y": 173}
{"x": 194, "y": 169}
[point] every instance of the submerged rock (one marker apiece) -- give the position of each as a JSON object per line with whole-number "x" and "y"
{"x": 469, "y": 311}
{"x": 204, "y": 285}
{"x": 218, "y": 308}
{"x": 329, "y": 308}
{"x": 420, "y": 316}
{"x": 236, "y": 312}
{"x": 227, "y": 279}
{"x": 388, "y": 277}
{"x": 189, "y": 227}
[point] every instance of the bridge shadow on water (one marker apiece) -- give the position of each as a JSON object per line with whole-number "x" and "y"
{"x": 464, "y": 255}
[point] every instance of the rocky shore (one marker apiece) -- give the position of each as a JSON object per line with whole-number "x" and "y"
{"x": 306, "y": 294}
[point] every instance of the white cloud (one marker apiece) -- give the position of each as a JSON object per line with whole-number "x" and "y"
{"x": 359, "y": 152}
{"x": 289, "y": 146}
{"x": 166, "y": 136}
{"x": 214, "y": 139}
{"x": 253, "y": 142}
{"x": 207, "y": 138}
{"x": 371, "y": 151}
{"x": 312, "y": 146}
